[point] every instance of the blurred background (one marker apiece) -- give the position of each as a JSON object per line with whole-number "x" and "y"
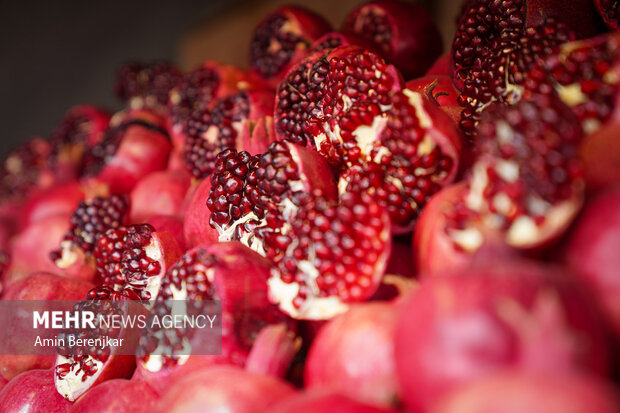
{"x": 61, "y": 53}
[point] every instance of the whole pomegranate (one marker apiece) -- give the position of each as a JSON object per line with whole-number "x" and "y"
{"x": 463, "y": 325}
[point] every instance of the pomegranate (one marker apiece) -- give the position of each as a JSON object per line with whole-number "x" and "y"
{"x": 228, "y": 272}
{"x": 329, "y": 255}
{"x": 319, "y": 92}
{"x": 134, "y": 148}
{"x": 404, "y": 33}
{"x": 467, "y": 324}
{"x": 524, "y": 189}
{"x": 515, "y": 392}
{"x": 135, "y": 258}
{"x": 224, "y": 389}
{"x": 37, "y": 286}
{"x": 146, "y": 84}
{"x": 245, "y": 188}
{"x": 591, "y": 251}
{"x": 353, "y": 354}
{"x": 117, "y": 395}
{"x": 82, "y": 128}
{"x": 229, "y": 122}
{"x": 281, "y": 39}
{"x": 496, "y": 44}
{"x": 197, "y": 89}
{"x": 414, "y": 154}
{"x": 25, "y": 168}
{"x": 33, "y": 391}
{"x": 80, "y": 368}
{"x": 609, "y": 12}
{"x": 310, "y": 402}
{"x": 159, "y": 193}
{"x": 90, "y": 218}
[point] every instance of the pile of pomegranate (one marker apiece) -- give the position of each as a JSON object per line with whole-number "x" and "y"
{"x": 387, "y": 227}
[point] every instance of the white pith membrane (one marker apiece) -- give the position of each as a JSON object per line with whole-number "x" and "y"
{"x": 73, "y": 384}
{"x": 155, "y": 361}
{"x": 69, "y": 254}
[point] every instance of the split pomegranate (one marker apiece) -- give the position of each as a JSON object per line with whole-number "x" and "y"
{"x": 224, "y": 389}
{"x": 245, "y": 188}
{"x": 404, "y": 33}
{"x": 497, "y": 42}
{"x": 117, "y": 395}
{"x": 353, "y": 355}
{"x": 281, "y": 39}
{"x": 228, "y": 272}
{"x": 329, "y": 255}
{"x": 80, "y": 368}
{"x": 516, "y": 392}
{"x": 31, "y": 392}
{"x": 591, "y": 251}
{"x": 82, "y": 128}
{"x": 524, "y": 190}
{"x": 129, "y": 151}
{"x": 25, "y": 168}
{"x": 90, "y": 218}
{"x": 317, "y": 95}
{"x": 135, "y": 258}
{"x": 146, "y": 84}
{"x": 412, "y": 156}
{"x": 466, "y": 324}
{"x": 228, "y": 122}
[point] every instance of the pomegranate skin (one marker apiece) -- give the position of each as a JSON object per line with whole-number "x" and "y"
{"x": 196, "y": 228}
{"x": 115, "y": 396}
{"x": 311, "y": 402}
{"x": 32, "y": 392}
{"x": 438, "y": 89}
{"x": 460, "y": 326}
{"x": 31, "y": 247}
{"x": 57, "y": 200}
{"x": 160, "y": 193}
{"x": 592, "y": 252}
{"x": 517, "y": 392}
{"x": 223, "y": 389}
{"x": 441, "y": 66}
{"x": 353, "y": 354}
